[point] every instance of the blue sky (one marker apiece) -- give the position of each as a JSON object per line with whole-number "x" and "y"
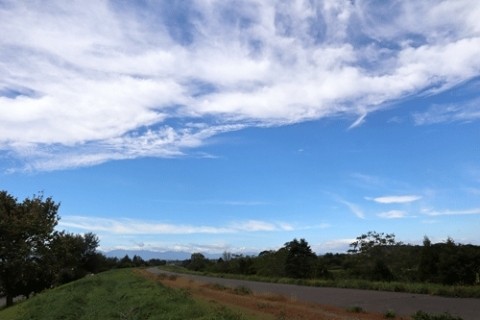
{"x": 218, "y": 126}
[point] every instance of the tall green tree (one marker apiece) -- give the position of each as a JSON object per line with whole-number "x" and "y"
{"x": 372, "y": 240}
{"x": 371, "y": 254}
{"x": 197, "y": 262}
{"x": 271, "y": 263}
{"x": 73, "y": 255}
{"x": 26, "y": 232}
{"x": 300, "y": 259}
{"x": 428, "y": 266}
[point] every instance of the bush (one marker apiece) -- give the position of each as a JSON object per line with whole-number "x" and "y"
{"x": 242, "y": 290}
{"x": 389, "y": 314}
{"x": 355, "y": 309}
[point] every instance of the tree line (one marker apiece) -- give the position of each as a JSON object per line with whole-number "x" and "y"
{"x": 372, "y": 256}
{"x": 34, "y": 256}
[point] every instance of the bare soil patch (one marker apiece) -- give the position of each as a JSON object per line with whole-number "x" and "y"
{"x": 262, "y": 305}
{"x": 401, "y": 303}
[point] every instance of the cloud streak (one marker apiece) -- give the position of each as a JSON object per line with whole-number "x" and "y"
{"x": 466, "y": 112}
{"x": 396, "y": 199}
{"x": 137, "y": 227}
{"x": 474, "y": 211}
{"x": 393, "y": 214}
{"x": 87, "y": 83}
{"x": 355, "y": 209}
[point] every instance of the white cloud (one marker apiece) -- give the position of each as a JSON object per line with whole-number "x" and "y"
{"x": 355, "y": 209}
{"x": 358, "y": 122}
{"x": 86, "y": 83}
{"x": 393, "y": 214}
{"x": 132, "y": 227}
{"x": 239, "y": 203}
{"x": 208, "y": 248}
{"x": 473, "y": 211}
{"x": 255, "y": 225}
{"x": 395, "y": 199}
{"x": 338, "y": 245}
{"x": 465, "y": 112}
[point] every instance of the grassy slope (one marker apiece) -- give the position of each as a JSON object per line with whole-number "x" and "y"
{"x": 118, "y": 294}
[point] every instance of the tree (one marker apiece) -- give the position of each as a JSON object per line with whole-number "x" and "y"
{"x": 428, "y": 266}
{"x": 137, "y": 261}
{"x": 371, "y": 254}
{"x": 74, "y": 255}
{"x": 197, "y": 262}
{"x": 271, "y": 263}
{"x": 26, "y": 231}
{"x": 300, "y": 259}
{"x": 372, "y": 239}
{"x": 125, "y": 262}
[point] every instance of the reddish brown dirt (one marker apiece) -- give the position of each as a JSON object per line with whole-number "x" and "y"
{"x": 263, "y": 306}
{"x": 402, "y": 304}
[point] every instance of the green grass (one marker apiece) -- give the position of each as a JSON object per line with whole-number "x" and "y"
{"x": 389, "y": 314}
{"x": 117, "y": 294}
{"x": 355, "y": 309}
{"x": 242, "y": 291}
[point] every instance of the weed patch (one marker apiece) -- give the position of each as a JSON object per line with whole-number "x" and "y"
{"x": 389, "y": 314}
{"x": 217, "y": 286}
{"x": 242, "y": 290}
{"x": 355, "y": 309}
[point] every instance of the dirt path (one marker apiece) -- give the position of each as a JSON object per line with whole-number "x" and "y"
{"x": 403, "y": 304}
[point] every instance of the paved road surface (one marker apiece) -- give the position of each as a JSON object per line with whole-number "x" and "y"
{"x": 375, "y": 301}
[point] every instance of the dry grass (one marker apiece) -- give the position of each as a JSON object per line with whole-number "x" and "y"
{"x": 263, "y": 306}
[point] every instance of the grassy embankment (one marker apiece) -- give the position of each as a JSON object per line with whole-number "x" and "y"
{"x": 393, "y": 286}
{"x": 117, "y": 294}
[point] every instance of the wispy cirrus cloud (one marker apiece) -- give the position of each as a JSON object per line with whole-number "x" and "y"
{"x": 85, "y": 83}
{"x": 465, "y": 112}
{"x": 395, "y": 199}
{"x": 393, "y": 214}
{"x": 132, "y": 227}
{"x": 354, "y": 208}
{"x": 473, "y": 211}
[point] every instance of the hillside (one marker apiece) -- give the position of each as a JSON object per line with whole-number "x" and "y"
{"x": 117, "y": 294}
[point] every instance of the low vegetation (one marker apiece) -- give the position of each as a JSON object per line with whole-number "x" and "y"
{"x": 389, "y": 314}
{"x": 355, "y": 309}
{"x": 376, "y": 261}
{"x": 118, "y": 294}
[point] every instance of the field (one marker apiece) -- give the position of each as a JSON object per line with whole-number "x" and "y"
{"x": 262, "y": 306}
{"x": 140, "y": 294}
{"x": 118, "y": 294}
{"x": 137, "y": 294}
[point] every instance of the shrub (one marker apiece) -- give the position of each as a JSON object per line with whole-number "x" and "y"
{"x": 355, "y": 309}
{"x": 389, "y": 314}
{"x": 217, "y": 286}
{"x": 242, "y": 290}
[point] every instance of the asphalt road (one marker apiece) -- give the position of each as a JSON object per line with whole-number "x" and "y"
{"x": 403, "y": 304}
